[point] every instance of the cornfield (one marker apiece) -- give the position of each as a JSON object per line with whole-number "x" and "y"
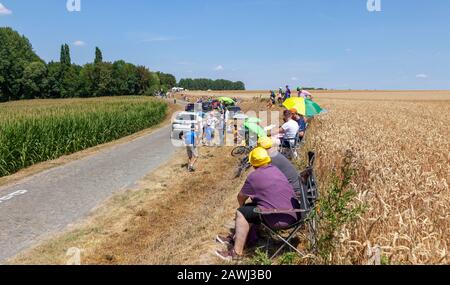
{"x": 401, "y": 151}
{"x": 41, "y": 130}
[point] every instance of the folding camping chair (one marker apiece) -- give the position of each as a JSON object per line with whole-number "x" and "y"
{"x": 288, "y": 147}
{"x": 307, "y": 198}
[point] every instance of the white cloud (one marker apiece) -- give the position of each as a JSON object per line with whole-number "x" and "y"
{"x": 218, "y": 68}
{"x": 294, "y": 78}
{"x": 79, "y": 43}
{"x": 4, "y": 10}
{"x": 421, "y": 75}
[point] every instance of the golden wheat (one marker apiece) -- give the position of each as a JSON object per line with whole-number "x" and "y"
{"x": 402, "y": 152}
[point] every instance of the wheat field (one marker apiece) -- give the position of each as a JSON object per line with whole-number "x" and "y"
{"x": 400, "y": 146}
{"x": 401, "y": 150}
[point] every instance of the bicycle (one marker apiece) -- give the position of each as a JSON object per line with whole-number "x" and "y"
{"x": 242, "y": 152}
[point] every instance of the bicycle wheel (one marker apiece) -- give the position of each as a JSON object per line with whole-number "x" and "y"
{"x": 239, "y": 151}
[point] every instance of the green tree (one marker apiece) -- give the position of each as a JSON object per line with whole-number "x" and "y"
{"x": 166, "y": 80}
{"x": 96, "y": 80}
{"x": 98, "y": 56}
{"x": 65, "y": 55}
{"x": 16, "y": 53}
{"x": 54, "y": 83}
{"x": 70, "y": 81}
{"x": 34, "y": 80}
{"x": 24, "y": 75}
{"x": 126, "y": 79}
{"x": 146, "y": 81}
{"x": 206, "y": 84}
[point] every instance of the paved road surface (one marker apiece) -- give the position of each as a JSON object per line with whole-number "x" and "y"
{"x": 47, "y": 202}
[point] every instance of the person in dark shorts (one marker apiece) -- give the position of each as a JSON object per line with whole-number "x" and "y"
{"x": 272, "y": 100}
{"x": 267, "y": 188}
{"x": 288, "y": 169}
{"x": 191, "y": 141}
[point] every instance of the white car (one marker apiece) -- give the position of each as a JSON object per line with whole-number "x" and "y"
{"x": 184, "y": 121}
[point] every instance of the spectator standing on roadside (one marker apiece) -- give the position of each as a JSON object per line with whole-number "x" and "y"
{"x": 191, "y": 141}
{"x": 272, "y": 99}
{"x": 304, "y": 94}
{"x": 280, "y": 96}
{"x": 211, "y": 122}
{"x": 288, "y": 93}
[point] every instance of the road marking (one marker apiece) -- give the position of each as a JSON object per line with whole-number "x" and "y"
{"x": 12, "y": 195}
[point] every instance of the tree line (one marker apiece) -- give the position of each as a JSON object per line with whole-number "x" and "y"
{"x": 24, "y": 75}
{"x": 208, "y": 84}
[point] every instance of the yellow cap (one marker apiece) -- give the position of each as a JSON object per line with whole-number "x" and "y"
{"x": 259, "y": 157}
{"x": 265, "y": 143}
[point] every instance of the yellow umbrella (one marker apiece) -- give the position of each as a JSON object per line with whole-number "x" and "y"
{"x": 297, "y": 103}
{"x": 304, "y": 107}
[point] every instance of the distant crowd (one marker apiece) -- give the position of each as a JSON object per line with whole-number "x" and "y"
{"x": 284, "y": 94}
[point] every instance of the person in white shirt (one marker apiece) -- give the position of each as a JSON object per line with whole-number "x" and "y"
{"x": 210, "y": 130}
{"x": 289, "y": 130}
{"x": 222, "y": 125}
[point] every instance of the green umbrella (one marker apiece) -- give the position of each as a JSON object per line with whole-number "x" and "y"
{"x": 303, "y": 106}
{"x": 253, "y": 120}
{"x": 226, "y": 100}
{"x": 255, "y": 128}
{"x": 312, "y": 108}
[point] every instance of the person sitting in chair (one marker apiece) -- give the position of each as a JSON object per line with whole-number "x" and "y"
{"x": 281, "y": 162}
{"x": 289, "y": 130}
{"x": 300, "y": 121}
{"x": 286, "y": 167}
{"x": 267, "y": 188}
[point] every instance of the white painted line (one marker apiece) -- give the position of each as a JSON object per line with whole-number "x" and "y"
{"x": 12, "y": 195}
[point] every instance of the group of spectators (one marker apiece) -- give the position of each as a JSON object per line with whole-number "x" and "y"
{"x": 274, "y": 184}
{"x": 205, "y": 133}
{"x": 283, "y": 95}
{"x": 294, "y": 128}
{"x": 194, "y": 99}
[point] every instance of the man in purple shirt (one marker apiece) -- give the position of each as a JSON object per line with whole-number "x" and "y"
{"x": 267, "y": 188}
{"x": 288, "y": 92}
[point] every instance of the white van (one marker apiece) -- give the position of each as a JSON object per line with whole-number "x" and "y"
{"x": 183, "y": 123}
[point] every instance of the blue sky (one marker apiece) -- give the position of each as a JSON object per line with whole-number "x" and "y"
{"x": 265, "y": 43}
